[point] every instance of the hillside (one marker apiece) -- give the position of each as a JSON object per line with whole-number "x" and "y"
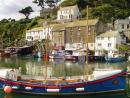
{"x": 13, "y": 32}
{"x": 107, "y": 10}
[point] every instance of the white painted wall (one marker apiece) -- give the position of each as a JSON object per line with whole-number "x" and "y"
{"x": 39, "y": 35}
{"x": 66, "y": 13}
{"x": 120, "y": 22}
{"x": 47, "y": 32}
{"x": 33, "y": 35}
{"x": 101, "y": 44}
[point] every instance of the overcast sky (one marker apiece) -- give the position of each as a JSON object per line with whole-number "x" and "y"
{"x": 10, "y": 8}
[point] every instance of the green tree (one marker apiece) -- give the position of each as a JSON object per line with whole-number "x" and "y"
{"x": 43, "y": 3}
{"x": 81, "y": 3}
{"x": 26, "y": 11}
{"x": 68, "y": 3}
{"x": 104, "y": 12}
{"x": 123, "y": 48}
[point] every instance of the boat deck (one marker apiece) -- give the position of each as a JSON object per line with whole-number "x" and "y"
{"x": 54, "y": 80}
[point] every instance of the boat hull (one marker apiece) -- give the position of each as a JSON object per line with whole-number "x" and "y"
{"x": 118, "y": 59}
{"x": 113, "y": 83}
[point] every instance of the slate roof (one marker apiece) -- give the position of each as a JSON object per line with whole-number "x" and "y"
{"x": 109, "y": 34}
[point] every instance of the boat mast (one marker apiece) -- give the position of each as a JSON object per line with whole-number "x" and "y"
{"x": 87, "y": 39}
{"x": 46, "y": 53}
{"x": 46, "y": 59}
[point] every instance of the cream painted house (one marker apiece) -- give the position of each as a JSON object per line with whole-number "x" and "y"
{"x": 107, "y": 42}
{"x": 34, "y": 34}
{"x": 39, "y": 33}
{"x": 68, "y": 13}
{"x": 47, "y": 32}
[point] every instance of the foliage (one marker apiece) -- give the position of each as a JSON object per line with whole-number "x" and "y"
{"x": 104, "y": 9}
{"x": 26, "y": 11}
{"x": 13, "y": 32}
{"x": 68, "y": 3}
{"x": 123, "y": 48}
{"x": 32, "y": 24}
{"x": 81, "y": 3}
{"x": 50, "y": 3}
{"x": 53, "y": 13}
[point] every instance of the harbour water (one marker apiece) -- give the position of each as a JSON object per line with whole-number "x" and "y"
{"x": 57, "y": 68}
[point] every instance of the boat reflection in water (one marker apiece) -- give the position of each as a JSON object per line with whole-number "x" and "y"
{"x": 33, "y": 69}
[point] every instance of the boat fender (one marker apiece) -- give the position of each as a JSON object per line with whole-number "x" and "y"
{"x": 28, "y": 88}
{"x": 7, "y": 89}
{"x": 14, "y": 87}
{"x": 53, "y": 90}
{"x": 80, "y": 89}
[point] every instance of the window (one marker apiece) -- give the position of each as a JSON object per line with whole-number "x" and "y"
{"x": 61, "y": 16}
{"x": 122, "y": 26}
{"x": 109, "y": 44}
{"x": 109, "y": 38}
{"x": 99, "y": 44}
{"x": 98, "y": 38}
{"x": 127, "y": 26}
{"x": 102, "y": 38}
{"x": 70, "y": 16}
{"x": 28, "y": 37}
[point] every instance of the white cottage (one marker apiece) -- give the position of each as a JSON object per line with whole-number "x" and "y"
{"x": 122, "y": 24}
{"x": 68, "y": 13}
{"x": 107, "y": 43}
{"x": 34, "y": 34}
{"x": 47, "y": 32}
{"x": 39, "y": 33}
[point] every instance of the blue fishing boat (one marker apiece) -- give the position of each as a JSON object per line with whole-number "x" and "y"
{"x": 115, "y": 59}
{"x": 105, "y": 81}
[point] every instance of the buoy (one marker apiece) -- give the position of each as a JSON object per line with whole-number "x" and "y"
{"x": 7, "y": 89}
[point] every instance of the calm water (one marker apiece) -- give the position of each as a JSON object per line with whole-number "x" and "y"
{"x": 57, "y": 68}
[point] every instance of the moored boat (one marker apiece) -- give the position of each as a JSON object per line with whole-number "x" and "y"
{"x": 11, "y": 50}
{"x": 115, "y": 58}
{"x": 25, "y": 50}
{"x": 103, "y": 82}
{"x": 4, "y": 54}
